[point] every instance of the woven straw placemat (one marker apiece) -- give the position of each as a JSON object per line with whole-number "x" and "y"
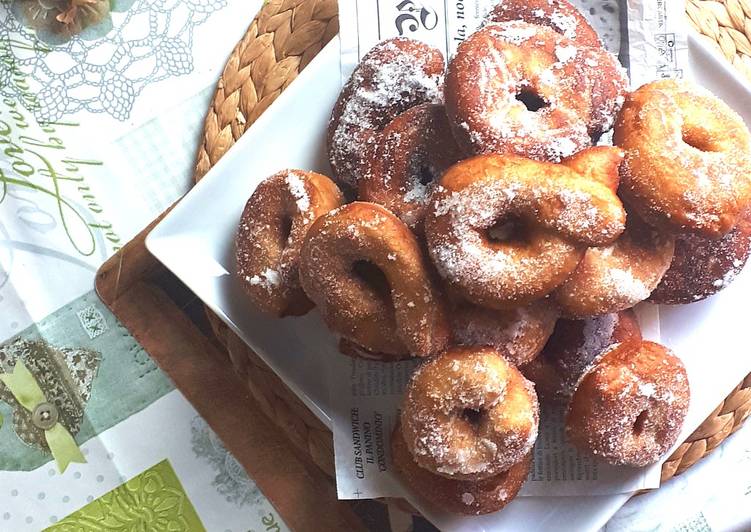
{"x": 726, "y": 26}
{"x": 281, "y": 41}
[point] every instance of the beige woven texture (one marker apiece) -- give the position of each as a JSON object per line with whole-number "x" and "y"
{"x": 281, "y": 41}
{"x": 726, "y": 26}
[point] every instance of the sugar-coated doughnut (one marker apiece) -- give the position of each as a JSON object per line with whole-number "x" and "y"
{"x": 395, "y": 75}
{"x": 572, "y": 348}
{"x": 465, "y": 497}
{"x": 702, "y": 267}
{"x": 504, "y": 230}
{"x": 519, "y": 333}
{"x": 524, "y": 89}
{"x": 365, "y": 270}
{"x": 273, "y": 225}
{"x": 688, "y": 159}
{"x": 469, "y": 414}
{"x": 558, "y": 15}
{"x": 619, "y": 276}
{"x": 410, "y": 155}
{"x": 630, "y": 406}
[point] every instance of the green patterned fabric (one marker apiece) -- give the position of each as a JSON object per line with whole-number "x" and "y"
{"x": 153, "y": 501}
{"x": 88, "y": 366}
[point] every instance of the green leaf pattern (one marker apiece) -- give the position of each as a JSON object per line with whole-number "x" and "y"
{"x": 153, "y": 501}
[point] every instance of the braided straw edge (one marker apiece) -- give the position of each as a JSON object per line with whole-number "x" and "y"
{"x": 283, "y": 38}
{"x": 725, "y": 26}
{"x": 281, "y": 41}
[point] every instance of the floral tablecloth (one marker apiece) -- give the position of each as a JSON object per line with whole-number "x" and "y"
{"x": 98, "y": 133}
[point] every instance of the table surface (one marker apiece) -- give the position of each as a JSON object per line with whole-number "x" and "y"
{"x": 104, "y": 135}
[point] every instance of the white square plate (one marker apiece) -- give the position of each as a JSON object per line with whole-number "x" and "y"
{"x": 195, "y": 241}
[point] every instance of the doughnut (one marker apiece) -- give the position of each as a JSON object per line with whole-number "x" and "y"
{"x": 365, "y": 270}
{"x": 395, "y": 75}
{"x": 519, "y": 334}
{"x": 273, "y": 225}
{"x": 504, "y": 231}
{"x": 630, "y": 406}
{"x": 468, "y": 414}
{"x": 572, "y": 348}
{"x": 559, "y": 15}
{"x": 617, "y": 277}
{"x": 524, "y": 89}
{"x": 688, "y": 159}
{"x": 411, "y": 154}
{"x": 702, "y": 267}
{"x": 465, "y": 497}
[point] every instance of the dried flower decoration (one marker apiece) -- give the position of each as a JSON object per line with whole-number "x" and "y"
{"x": 56, "y": 21}
{"x": 78, "y": 9}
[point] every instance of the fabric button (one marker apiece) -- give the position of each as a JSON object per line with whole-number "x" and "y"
{"x": 45, "y": 416}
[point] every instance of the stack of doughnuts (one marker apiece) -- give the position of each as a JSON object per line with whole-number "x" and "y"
{"x": 492, "y": 238}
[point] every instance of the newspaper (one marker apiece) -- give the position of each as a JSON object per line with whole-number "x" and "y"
{"x": 658, "y": 40}
{"x": 367, "y": 395}
{"x": 444, "y": 25}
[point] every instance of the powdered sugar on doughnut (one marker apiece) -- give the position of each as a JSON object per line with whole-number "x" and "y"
{"x": 297, "y": 188}
{"x": 516, "y": 34}
{"x": 390, "y": 79}
{"x": 393, "y": 307}
{"x": 625, "y": 282}
{"x": 460, "y": 248}
{"x": 567, "y": 24}
{"x": 688, "y": 160}
{"x": 566, "y": 53}
{"x": 519, "y": 334}
{"x": 701, "y": 267}
{"x": 270, "y": 234}
{"x": 629, "y": 407}
{"x": 572, "y": 92}
{"x": 268, "y": 278}
{"x": 559, "y": 15}
{"x": 438, "y": 431}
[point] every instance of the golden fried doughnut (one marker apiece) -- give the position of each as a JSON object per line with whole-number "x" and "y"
{"x": 395, "y": 75}
{"x": 572, "y": 348}
{"x": 630, "y": 406}
{"x": 519, "y": 334}
{"x": 504, "y": 231}
{"x": 618, "y": 276}
{"x": 272, "y": 228}
{"x": 523, "y": 89}
{"x": 558, "y": 15}
{"x": 702, "y": 267}
{"x": 365, "y": 270}
{"x": 469, "y": 414}
{"x": 688, "y": 159}
{"x": 458, "y": 496}
{"x": 411, "y": 154}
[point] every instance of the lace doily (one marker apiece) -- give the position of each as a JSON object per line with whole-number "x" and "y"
{"x": 149, "y": 42}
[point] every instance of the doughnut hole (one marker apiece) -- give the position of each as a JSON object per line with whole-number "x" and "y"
{"x": 426, "y": 175}
{"x": 640, "y": 423}
{"x": 531, "y": 99}
{"x": 699, "y": 138}
{"x": 285, "y": 231}
{"x": 422, "y": 172}
{"x": 507, "y": 231}
{"x": 473, "y": 416}
{"x": 372, "y": 276}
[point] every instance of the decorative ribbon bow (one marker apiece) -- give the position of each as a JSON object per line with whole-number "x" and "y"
{"x": 29, "y": 395}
